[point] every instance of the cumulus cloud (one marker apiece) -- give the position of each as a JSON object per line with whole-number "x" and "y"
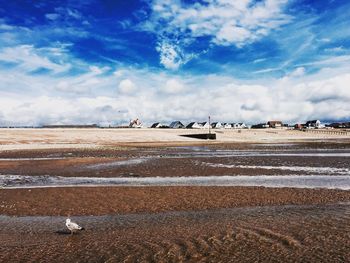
{"x": 97, "y": 95}
{"x": 126, "y": 86}
{"x": 173, "y": 86}
{"x": 298, "y": 72}
{"x": 178, "y": 24}
{"x": 291, "y": 99}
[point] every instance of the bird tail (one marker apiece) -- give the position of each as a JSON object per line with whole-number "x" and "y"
{"x": 83, "y": 228}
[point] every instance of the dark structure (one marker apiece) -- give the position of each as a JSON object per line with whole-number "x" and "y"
{"x": 203, "y": 136}
{"x": 313, "y": 124}
{"x": 339, "y": 125}
{"x": 260, "y": 126}
{"x": 275, "y": 124}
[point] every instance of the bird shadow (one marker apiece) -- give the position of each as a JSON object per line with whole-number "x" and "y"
{"x": 62, "y": 232}
{"x": 66, "y": 232}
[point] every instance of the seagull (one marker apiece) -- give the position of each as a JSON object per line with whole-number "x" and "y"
{"x": 73, "y": 227}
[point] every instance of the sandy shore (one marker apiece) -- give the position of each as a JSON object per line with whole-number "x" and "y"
{"x": 89, "y": 138}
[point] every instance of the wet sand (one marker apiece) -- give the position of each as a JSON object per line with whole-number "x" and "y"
{"x": 209, "y": 160}
{"x": 177, "y": 223}
{"x": 120, "y": 200}
{"x": 317, "y": 233}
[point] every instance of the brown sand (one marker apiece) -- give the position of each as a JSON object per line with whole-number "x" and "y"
{"x": 168, "y": 224}
{"x": 165, "y": 161}
{"x": 267, "y": 234}
{"x": 121, "y": 200}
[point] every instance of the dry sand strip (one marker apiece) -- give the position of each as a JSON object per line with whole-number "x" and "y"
{"x": 11, "y": 139}
{"x": 120, "y": 200}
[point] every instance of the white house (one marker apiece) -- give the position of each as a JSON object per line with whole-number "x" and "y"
{"x": 176, "y": 125}
{"x": 227, "y": 125}
{"x": 314, "y": 124}
{"x": 204, "y": 125}
{"x": 158, "y": 125}
{"x": 216, "y": 125}
{"x": 135, "y": 124}
{"x": 239, "y": 125}
{"x": 193, "y": 125}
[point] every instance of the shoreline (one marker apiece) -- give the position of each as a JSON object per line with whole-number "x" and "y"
{"x": 23, "y": 139}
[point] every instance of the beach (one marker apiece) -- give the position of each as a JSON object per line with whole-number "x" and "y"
{"x": 154, "y": 196}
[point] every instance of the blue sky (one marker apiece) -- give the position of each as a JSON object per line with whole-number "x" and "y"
{"x": 108, "y": 62}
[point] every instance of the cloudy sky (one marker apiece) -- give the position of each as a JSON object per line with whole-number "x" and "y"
{"x": 106, "y": 62}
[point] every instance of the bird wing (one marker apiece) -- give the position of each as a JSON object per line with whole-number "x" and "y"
{"x": 73, "y": 225}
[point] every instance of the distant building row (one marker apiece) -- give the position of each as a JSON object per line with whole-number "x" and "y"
{"x": 200, "y": 125}
{"x": 313, "y": 124}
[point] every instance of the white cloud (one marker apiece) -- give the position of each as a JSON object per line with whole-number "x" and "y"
{"x": 30, "y": 59}
{"x": 335, "y": 49}
{"x": 98, "y": 70}
{"x": 100, "y": 96}
{"x": 52, "y": 16}
{"x": 126, "y": 86}
{"x": 173, "y": 86}
{"x": 167, "y": 97}
{"x": 298, "y": 72}
{"x": 74, "y": 13}
{"x": 225, "y": 22}
{"x": 170, "y": 56}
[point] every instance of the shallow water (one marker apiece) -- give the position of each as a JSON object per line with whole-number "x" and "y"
{"x": 208, "y": 152}
{"x": 316, "y": 170}
{"x": 293, "y": 181}
{"x": 129, "y": 162}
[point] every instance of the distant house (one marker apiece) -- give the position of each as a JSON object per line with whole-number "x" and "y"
{"x": 260, "y": 126}
{"x": 314, "y": 124}
{"x": 275, "y": 124}
{"x": 216, "y": 125}
{"x": 135, "y": 124}
{"x": 193, "y": 125}
{"x": 155, "y": 125}
{"x": 299, "y": 126}
{"x": 238, "y": 125}
{"x": 339, "y": 125}
{"x": 227, "y": 125}
{"x": 159, "y": 125}
{"x": 176, "y": 125}
{"x": 204, "y": 125}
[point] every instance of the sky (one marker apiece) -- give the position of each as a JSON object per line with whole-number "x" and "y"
{"x": 110, "y": 61}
